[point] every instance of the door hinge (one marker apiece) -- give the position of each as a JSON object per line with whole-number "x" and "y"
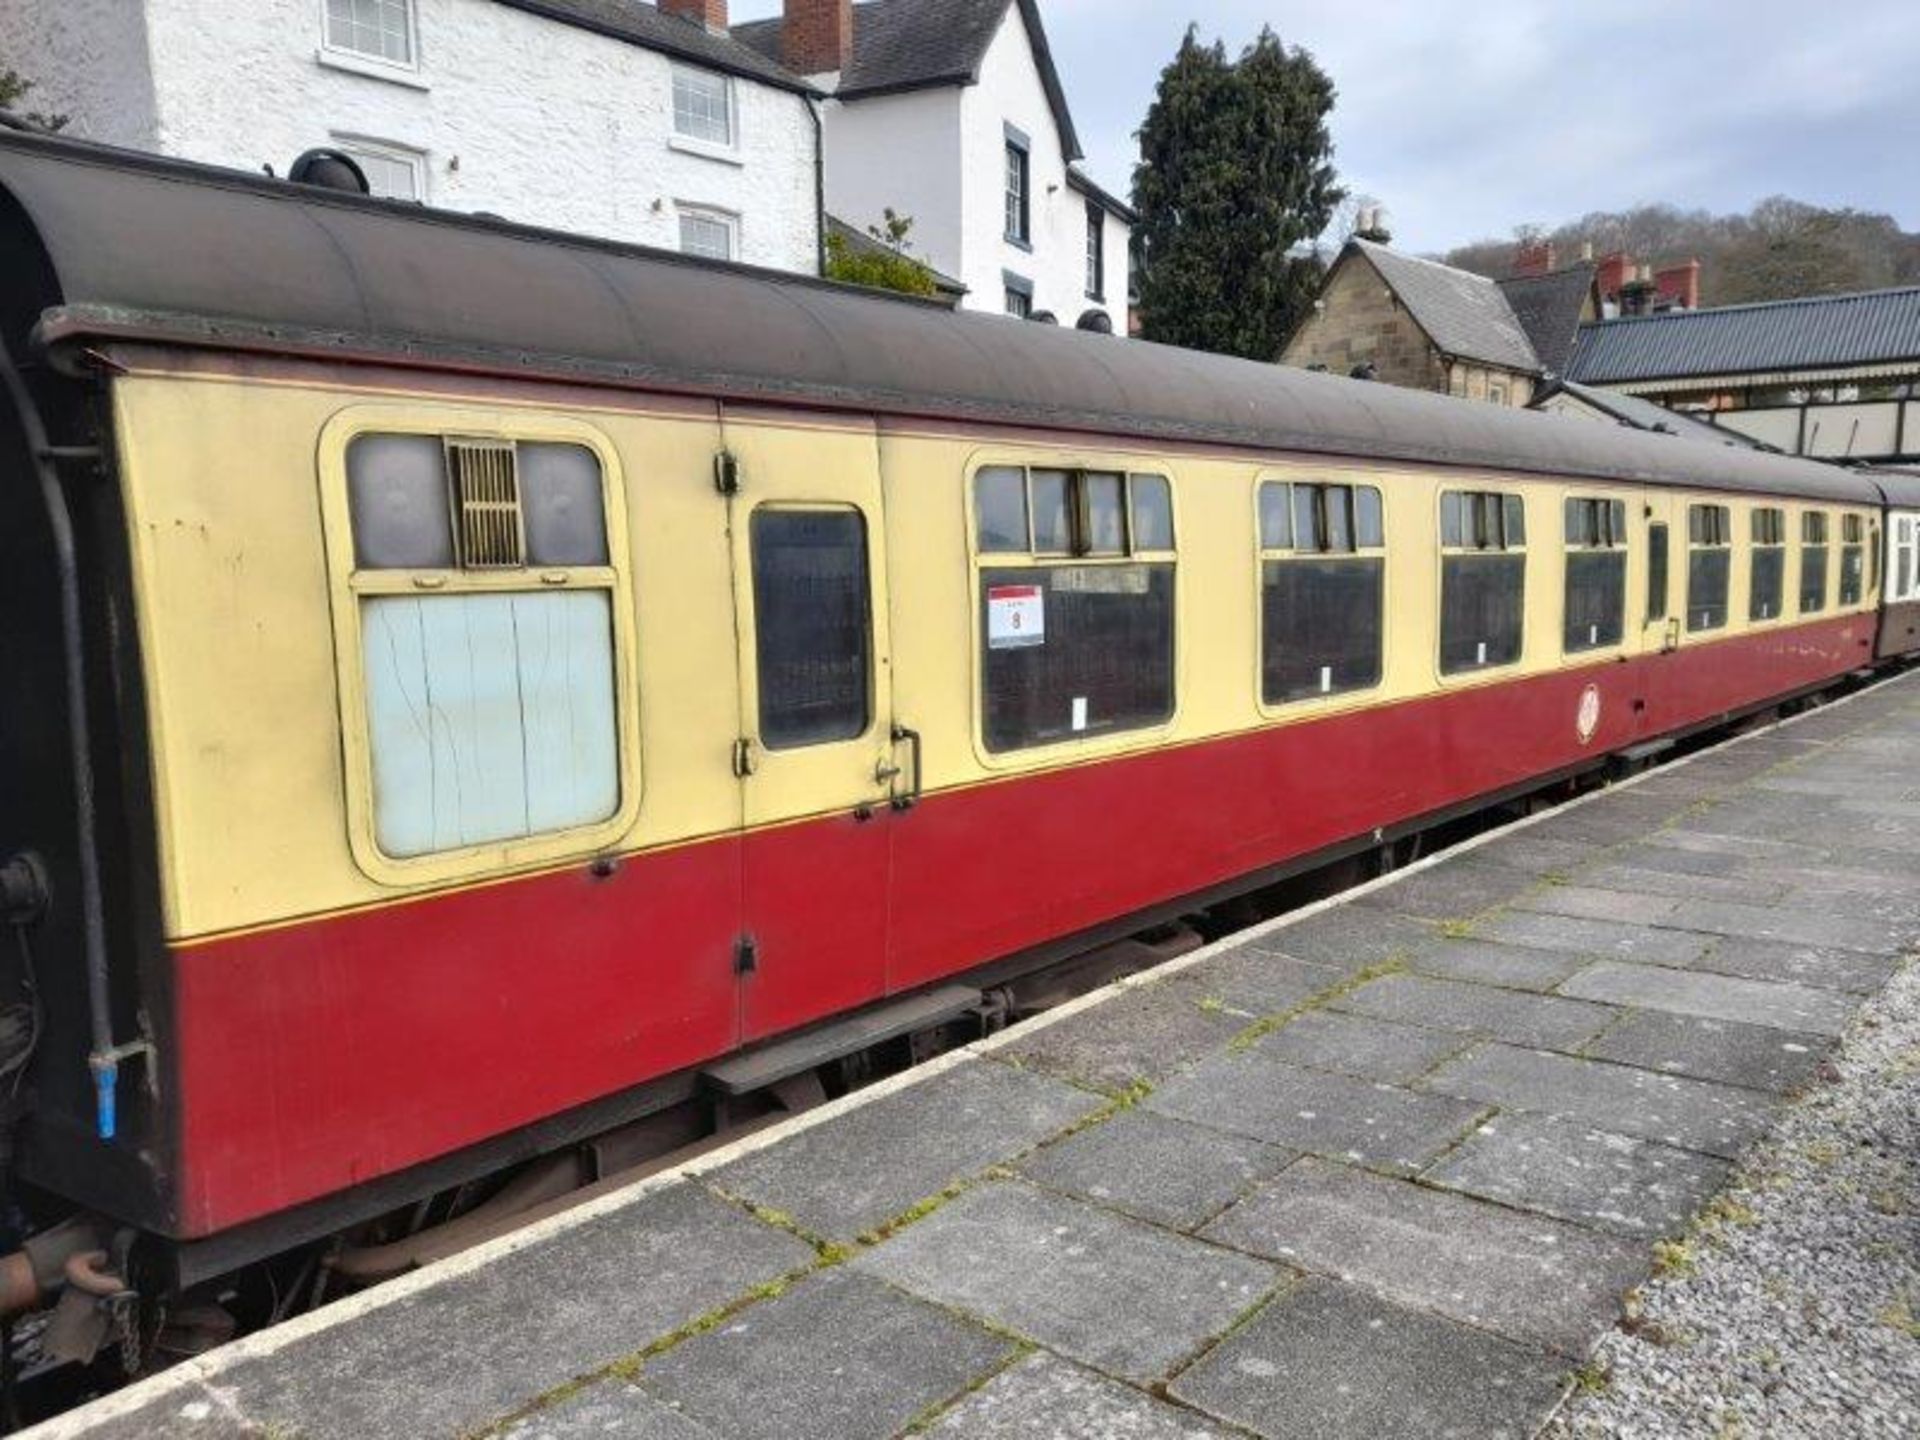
{"x": 746, "y": 955}
{"x": 742, "y": 758}
{"x": 726, "y": 473}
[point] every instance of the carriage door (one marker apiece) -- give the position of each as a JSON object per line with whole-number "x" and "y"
{"x": 814, "y": 755}
{"x": 1661, "y": 605}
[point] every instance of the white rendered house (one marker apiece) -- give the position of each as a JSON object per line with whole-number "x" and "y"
{"x": 614, "y": 118}
{"x": 952, "y": 112}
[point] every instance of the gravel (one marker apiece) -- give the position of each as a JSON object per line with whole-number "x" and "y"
{"x": 1793, "y": 1307}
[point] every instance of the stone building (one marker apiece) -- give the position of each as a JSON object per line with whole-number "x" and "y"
{"x": 1416, "y": 323}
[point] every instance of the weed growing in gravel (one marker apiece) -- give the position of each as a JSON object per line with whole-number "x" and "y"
{"x": 1673, "y": 1257}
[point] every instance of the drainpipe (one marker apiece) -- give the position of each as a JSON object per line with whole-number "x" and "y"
{"x": 819, "y": 185}
{"x": 104, "y": 1061}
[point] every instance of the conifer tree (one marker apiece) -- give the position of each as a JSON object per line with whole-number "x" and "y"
{"x": 1235, "y": 181}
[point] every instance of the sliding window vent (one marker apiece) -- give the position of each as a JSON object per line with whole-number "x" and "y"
{"x": 487, "y": 520}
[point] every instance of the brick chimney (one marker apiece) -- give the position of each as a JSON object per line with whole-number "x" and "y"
{"x": 1679, "y": 285}
{"x": 710, "y": 13}
{"x": 1534, "y": 257}
{"x": 816, "y": 36}
{"x": 1615, "y": 273}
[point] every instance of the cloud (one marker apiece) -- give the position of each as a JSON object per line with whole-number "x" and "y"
{"x": 1470, "y": 120}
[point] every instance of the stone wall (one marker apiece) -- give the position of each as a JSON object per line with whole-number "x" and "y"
{"x": 1361, "y": 321}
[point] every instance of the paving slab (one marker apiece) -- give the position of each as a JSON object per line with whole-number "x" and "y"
{"x": 1548, "y": 1021}
{"x": 1326, "y": 1362}
{"x": 1597, "y": 938}
{"x": 839, "y": 1356}
{"x": 1692, "y": 1114}
{"x": 1456, "y": 890}
{"x": 1349, "y": 937}
{"x": 1591, "y": 901}
{"x": 1530, "y": 1278}
{"x": 1642, "y": 879}
{"x": 1487, "y": 962}
{"x": 1592, "y": 1177}
{"x": 612, "y": 1407}
{"x": 1714, "y": 997}
{"x": 1358, "y": 1046}
{"x": 1156, "y": 1169}
{"x": 1760, "y": 922}
{"x": 1369, "y": 1124}
{"x": 1706, "y": 838}
{"x": 1852, "y": 971}
{"x": 876, "y": 1162}
{"x": 1138, "y": 1038}
{"x": 392, "y": 1372}
{"x": 1539, "y": 854}
{"x": 1126, "y": 1298}
{"x": 1625, "y": 816}
{"x": 1756, "y": 1056}
{"x": 1043, "y": 1398}
{"x": 1254, "y": 980}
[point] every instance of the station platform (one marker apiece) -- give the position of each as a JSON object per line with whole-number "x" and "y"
{"x": 1385, "y": 1166}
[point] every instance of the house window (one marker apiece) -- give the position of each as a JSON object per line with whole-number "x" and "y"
{"x": 710, "y": 234}
{"x": 813, "y": 622}
{"x": 1483, "y": 580}
{"x": 1496, "y": 393}
{"x": 1596, "y": 593}
{"x": 1814, "y": 555}
{"x": 1096, "y": 253}
{"x": 393, "y": 172}
{"x": 1766, "y": 592}
{"x": 376, "y": 29}
{"x": 1709, "y": 565}
{"x": 485, "y": 590}
{"x": 1019, "y": 196}
{"x": 1019, "y": 295}
{"x": 702, "y": 106}
{"x": 1853, "y": 559}
{"x": 1323, "y": 572}
{"x": 1076, "y": 586}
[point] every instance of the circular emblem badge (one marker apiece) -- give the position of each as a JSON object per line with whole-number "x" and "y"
{"x": 1587, "y": 719}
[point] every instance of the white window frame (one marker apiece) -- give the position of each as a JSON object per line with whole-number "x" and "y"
{"x": 361, "y": 147}
{"x": 728, "y": 219}
{"x": 728, "y": 149}
{"x": 344, "y": 57}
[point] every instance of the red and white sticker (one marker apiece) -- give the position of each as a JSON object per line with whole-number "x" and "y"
{"x": 1587, "y": 719}
{"x": 1016, "y": 617}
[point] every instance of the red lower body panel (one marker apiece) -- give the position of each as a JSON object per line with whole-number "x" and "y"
{"x": 318, "y": 1056}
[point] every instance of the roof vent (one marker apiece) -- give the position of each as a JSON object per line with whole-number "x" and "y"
{"x": 330, "y": 170}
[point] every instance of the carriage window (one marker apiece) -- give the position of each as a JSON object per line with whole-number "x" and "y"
{"x": 1077, "y": 631}
{"x": 1322, "y": 590}
{"x": 1853, "y": 563}
{"x": 812, "y": 620}
{"x": 1659, "y": 566}
{"x": 1767, "y": 590}
{"x": 1905, "y": 542}
{"x": 490, "y": 701}
{"x": 1709, "y": 565}
{"x": 1483, "y": 580}
{"x": 1596, "y": 592}
{"x": 1814, "y": 555}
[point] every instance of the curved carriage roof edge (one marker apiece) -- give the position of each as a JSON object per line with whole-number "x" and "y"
{"x": 202, "y": 256}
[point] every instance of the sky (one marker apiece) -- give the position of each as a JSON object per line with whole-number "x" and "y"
{"x": 1469, "y": 120}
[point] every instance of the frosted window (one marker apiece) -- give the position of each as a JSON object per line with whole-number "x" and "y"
{"x": 490, "y": 717}
{"x": 397, "y": 495}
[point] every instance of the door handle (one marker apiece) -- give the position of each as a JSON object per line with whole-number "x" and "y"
{"x": 903, "y": 735}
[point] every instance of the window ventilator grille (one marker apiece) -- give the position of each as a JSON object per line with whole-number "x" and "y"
{"x": 488, "y": 524}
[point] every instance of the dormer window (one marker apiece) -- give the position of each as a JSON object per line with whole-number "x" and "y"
{"x": 379, "y": 30}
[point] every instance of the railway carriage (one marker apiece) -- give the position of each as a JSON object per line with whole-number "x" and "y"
{"x": 510, "y": 679}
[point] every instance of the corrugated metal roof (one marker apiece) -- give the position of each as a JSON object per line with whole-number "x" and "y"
{"x": 233, "y": 261}
{"x": 1466, "y": 315}
{"x": 1821, "y": 332}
